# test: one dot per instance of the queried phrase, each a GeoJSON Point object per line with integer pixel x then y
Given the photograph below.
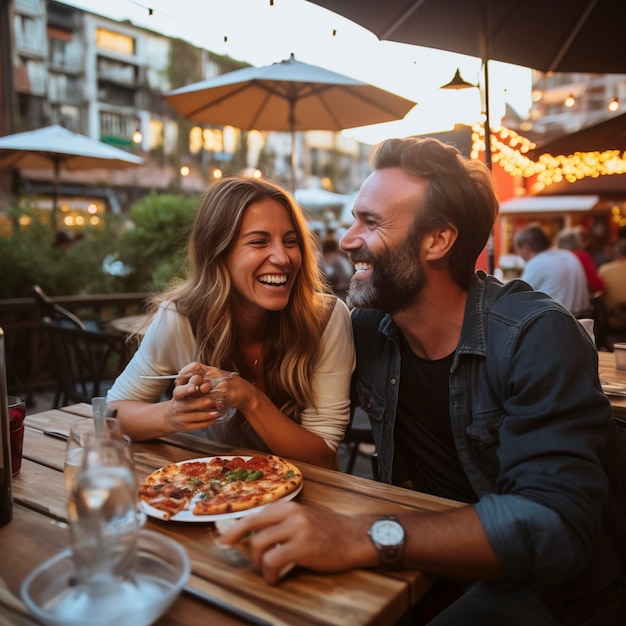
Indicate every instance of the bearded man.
{"type": "Point", "coordinates": [477, 391]}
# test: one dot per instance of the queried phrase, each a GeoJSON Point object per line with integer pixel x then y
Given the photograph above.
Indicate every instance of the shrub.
{"type": "Point", "coordinates": [154, 244]}
{"type": "Point", "coordinates": [150, 241]}
{"type": "Point", "coordinates": [28, 256]}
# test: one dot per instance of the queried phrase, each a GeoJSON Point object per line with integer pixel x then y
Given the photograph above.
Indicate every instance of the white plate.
{"type": "Point", "coordinates": [614, 389]}
{"type": "Point", "coordinates": [188, 516]}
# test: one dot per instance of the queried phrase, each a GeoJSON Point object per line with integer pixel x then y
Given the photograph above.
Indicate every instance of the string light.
{"type": "Point", "coordinates": [614, 105]}
{"type": "Point", "coordinates": [509, 151]}
{"type": "Point", "coordinates": [570, 101]}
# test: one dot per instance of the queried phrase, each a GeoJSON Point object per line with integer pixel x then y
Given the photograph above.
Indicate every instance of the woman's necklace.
{"type": "Point", "coordinates": [254, 365]}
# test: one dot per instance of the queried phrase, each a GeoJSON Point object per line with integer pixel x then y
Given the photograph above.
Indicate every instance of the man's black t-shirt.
{"type": "Point", "coordinates": [425, 456]}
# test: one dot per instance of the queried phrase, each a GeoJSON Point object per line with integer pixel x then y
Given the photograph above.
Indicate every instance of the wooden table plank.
{"type": "Point", "coordinates": [55, 419]}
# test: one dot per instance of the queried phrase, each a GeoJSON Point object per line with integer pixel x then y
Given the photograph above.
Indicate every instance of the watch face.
{"type": "Point", "coordinates": [388, 532]}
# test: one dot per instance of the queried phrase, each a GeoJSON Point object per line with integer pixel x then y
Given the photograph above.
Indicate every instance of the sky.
{"type": "Point", "coordinates": [261, 34]}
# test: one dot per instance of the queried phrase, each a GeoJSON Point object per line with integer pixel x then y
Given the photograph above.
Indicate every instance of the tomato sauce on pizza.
{"type": "Point", "coordinates": [219, 485]}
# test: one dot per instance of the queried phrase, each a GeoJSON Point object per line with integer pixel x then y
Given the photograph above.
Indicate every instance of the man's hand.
{"type": "Point", "coordinates": [288, 533]}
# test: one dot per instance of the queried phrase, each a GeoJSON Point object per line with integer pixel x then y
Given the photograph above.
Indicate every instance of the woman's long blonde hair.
{"type": "Point", "coordinates": [292, 339]}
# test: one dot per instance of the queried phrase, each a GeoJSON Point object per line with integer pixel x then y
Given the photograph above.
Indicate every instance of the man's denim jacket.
{"type": "Point", "coordinates": [532, 428]}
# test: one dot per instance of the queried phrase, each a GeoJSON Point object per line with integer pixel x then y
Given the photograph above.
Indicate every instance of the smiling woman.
{"type": "Point", "coordinates": [253, 302]}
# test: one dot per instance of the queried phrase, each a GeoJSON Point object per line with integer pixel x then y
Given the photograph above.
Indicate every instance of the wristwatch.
{"type": "Point", "coordinates": [387, 535]}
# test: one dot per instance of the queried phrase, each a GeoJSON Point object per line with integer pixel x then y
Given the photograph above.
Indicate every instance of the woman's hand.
{"type": "Point", "coordinates": [192, 406]}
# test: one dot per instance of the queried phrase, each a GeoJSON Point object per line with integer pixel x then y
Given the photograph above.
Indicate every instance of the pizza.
{"type": "Point", "coordinates": [219, 485]}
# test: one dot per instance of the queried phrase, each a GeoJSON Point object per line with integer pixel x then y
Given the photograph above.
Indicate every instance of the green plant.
{"type": "Point", "coordinates": [27, 256]}
{"type": "Point", "coordinates": [149, 243]}
{"type": "Point", "coordinates": [153, 245]}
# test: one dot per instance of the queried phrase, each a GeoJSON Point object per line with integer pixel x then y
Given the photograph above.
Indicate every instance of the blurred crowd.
{"type": "Point", "coordinates": [333, 260]}
{"type": "Point", "coordinates": [589, 280]}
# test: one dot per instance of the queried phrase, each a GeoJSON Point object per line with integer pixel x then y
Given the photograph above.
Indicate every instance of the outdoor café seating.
{"type": "Point", "coordinates": [360, 441]}
{"type": "Point", "coordinates": [47, 308]}
{"type": "Point", "coordinates": [86, 361]}
{"type": "Point", "coordinates": [610, 323]}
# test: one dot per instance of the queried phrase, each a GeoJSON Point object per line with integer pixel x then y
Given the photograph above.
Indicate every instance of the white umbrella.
{"type": "Point", "coordinates": [316, 198]}
{"type": "Point", "coordinates": [62, 149]}
{"type": "Point", "coordinates": [287, 96]}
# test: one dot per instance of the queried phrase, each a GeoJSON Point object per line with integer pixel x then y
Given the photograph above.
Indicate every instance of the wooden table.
{"type": "Point", "coordinates": [365, 596]}
{"type": "Point", "coordinates": [610, 373]}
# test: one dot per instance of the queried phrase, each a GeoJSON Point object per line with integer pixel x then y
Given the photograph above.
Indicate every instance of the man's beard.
{"type": "Point", "coordinates": [396, 278]}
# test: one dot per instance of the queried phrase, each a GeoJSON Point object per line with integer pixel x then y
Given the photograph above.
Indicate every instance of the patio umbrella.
{"type": "Point", "coordinates": [319, 199]}
{"type": "Point", "coordinates": [555, 36]}
{"type": "Point", "coordinates": [62, 149]}
{"type": "Point", "coordinates": [287, 96]}
{"type": "Point", "coordinates": [609, 134]}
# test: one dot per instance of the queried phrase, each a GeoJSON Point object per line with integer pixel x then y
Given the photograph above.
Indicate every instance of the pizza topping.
{"type": "Point", "coordinates": [220, 485]}
{"type": "Point", "coordinates": [243, 473]}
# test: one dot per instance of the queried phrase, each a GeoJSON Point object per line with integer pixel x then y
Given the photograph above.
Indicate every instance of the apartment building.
{"type": "Point", "coordinates": [106, 79]}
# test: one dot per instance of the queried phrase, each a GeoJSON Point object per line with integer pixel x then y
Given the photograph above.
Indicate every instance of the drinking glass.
{"type": "Point", "coordinates": [17, 414]}
{"type": "Point", "coordinates": [102, 511]}
{"type": "Point", "coordinates": [83, 434]}
{"type": "Point", "coordinates": [219, 396]}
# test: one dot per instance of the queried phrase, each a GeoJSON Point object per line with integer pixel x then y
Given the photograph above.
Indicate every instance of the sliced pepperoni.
{"type": "Point", "coordinates": [235, 463]}
{"type": "Point", "coordinates": [257, 463]}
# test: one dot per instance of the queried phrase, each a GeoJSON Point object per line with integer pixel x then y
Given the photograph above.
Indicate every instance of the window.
{"type": "Point", "coordinates": [114, 42]}
{"type": "Point", "coordinates": [117, 129]}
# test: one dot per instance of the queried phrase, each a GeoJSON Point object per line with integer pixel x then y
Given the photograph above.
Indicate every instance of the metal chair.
{"type": "Point", "coordinates": [47, 308]}
{"type": "Point", "coordinates": [359, 432]}
{"type": "Point", "coordinates": [610, 323]}
{"type": "Point", "coordinates": [87, 361]}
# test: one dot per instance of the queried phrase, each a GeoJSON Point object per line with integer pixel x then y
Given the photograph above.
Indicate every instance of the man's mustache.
{"type": "Point", "coordinates": [360, 258]}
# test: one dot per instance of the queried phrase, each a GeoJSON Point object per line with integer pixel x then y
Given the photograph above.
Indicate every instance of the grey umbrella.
{"type": "Point", "coordinates": [59, 148]}
{"type": "Point", "coordinates": [609, 134]}
{"type": "Point", "coordinates": [554, 36]}
{"type": "Point", "coordinates": [290, 96]}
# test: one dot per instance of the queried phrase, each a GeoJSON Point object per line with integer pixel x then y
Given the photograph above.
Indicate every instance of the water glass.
{"type": "Point", "coordinates": [219, 396]}
{"type": "Point", "coordinates": [83, 435]}
{"type": "Point", "coordinates": [102, 512]}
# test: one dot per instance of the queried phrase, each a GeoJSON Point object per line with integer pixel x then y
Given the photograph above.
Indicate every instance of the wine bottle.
{"type": "Point", "coordinates": [6, 496]}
